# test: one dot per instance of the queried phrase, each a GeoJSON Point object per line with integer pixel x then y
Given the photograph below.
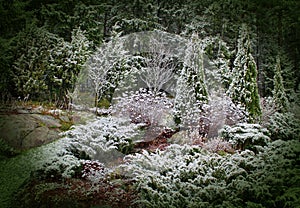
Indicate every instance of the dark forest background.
{"type": "Point", "coordinates": [44, 44]}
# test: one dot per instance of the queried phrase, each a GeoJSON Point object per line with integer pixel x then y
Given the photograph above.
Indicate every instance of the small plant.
{"type": "Point", "coordinates": [244, 136]}
{"type": "Point", "coordinates": [268, 108]}
{"type": "Point", "coordinates": [218, 145]}
{"type": "Point", "coordinates": [103, 103]}
{"type": "Point", "coordinates": [65, 126]}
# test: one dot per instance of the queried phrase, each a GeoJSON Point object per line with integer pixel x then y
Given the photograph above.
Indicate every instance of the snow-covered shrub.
{"type": "Point", "coordinates": [219, 112]}
{"type": "Point", "coordinates": [244, 136]}
{"type": "Point", "coordinates": [103, 138]}
{"type": "Point", "coordinates": [235, 113]}
{"type": "Point", "coordinates": [206, 119]}
{"type": "Point", "coordinates": [188, 136]}
{"type": "Point", "coordinates": [188, 176]}
{"type": "Point", "coordinates": [275, 175]}
{"type": "Point", "coordinates": [284, 126]}
{"type": "Point", "coordinates": [144, 107]}
{"type": "Point", "coordinates": [54, 160]}
{"type": "Point", "coordinates": [181, 176]}
{"type": "Point", "coordinates": [94, 171]}
{"type": "Point", "coordinates": [218, 145]}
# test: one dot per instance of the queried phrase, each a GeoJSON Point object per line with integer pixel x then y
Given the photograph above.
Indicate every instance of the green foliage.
{"type": "Point", "coordinates": [65, 126]}
{"type": "Point", "coordinates": [13, 173]}
{"type": "Point", "coordinates": [104, 103]}
{"type": "Point", "coordinates": [31, 61]}
{"type": "Point", "coordinates": [284, 126]}
{"type": "Point", "coordinates": [279, 93]}
{"type": "Point", "coordinates": [185, 176]}
{"type": "Point", "coordinates": [243, 88]}
{"type": "Point", "coordinates": [273, 31]}
{"type": "Point", "coordinates": [246, 136]}
{"type": "Point", "coordinates": [46, 66]}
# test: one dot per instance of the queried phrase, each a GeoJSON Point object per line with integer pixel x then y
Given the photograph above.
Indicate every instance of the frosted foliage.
{"type": "Point", "coordinates": [208, 119]}
{"type": "Point", "coordinates": [217, 145]}
{"type": "Point", "coordinates": [278, 92]}
{"type": "Point", "coordinates": [182, 176]}
{"type": "Point", "coordinates": [188, 176]}
{"type": "Point", "coordinates": [243, 87]}
{"type": "Point", "coordinates": [187, 108]}
{"type": "Point", "coordinates": [284, 126]}
{"type": "Point", "coordinates": [268, 108]}
{"type": "Point", "coordinates": [193, 67]}
{"type": "Point", "coordinates": [102, 137]}
{"type": "Point", "coordinates": [100, 74]}
{"type": "Point", "coordinates": [145, 107]}
{"type": "Point", "coordinates": [244, 135]}
{"type": "Point", "coordinates": [95, 172]}
{"type": "Point", "coordinates": [235, 113]}
{"type": "Point", "coordinates": [54, 159]}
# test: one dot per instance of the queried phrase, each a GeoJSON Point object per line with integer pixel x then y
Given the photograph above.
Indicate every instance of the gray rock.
{"type": "Point", "coordinates": [47, 120]}
{"type": "Point", "coordinates": [35, 138]}
{"type": "Point", "coordinates": [24, 131]}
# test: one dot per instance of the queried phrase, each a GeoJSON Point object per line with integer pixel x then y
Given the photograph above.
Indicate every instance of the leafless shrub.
{"type": "Point", "coordinates": [217, 145]}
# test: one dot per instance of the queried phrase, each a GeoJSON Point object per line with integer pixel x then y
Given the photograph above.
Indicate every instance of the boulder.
{"type": "Point", "coordinates": [24, 131]}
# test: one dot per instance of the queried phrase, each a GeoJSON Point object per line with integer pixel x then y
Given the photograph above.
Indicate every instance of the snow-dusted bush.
{"type": "Point", "coordinates": [218, 112]}
{"type": "Point", "coordinates": [218, 145]}
{"type": "Point", "coordinates": [144, 107]}
{"type": "Point", "coordinates": [188, 176]}
{"type": "Point", "coordinates": [54, 160]}
{"type": "Point", "coordinates": [235, 113]}
{"type": "Point", "coordinates": [284, 126]}
{"type": "Point", "coordinates": [103, 138]}
{"type": "Point", "coordinates": [244, 136]}
{"type": "Point", "coordinates": [94, 171]}
{"type": "Point", "coordinates": [182, 176]}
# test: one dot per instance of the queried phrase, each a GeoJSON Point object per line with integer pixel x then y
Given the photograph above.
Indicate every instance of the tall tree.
{"type": "Point", "coordinates": [243, 88]}
{"type": "Point", "coordinates": [279, 94]}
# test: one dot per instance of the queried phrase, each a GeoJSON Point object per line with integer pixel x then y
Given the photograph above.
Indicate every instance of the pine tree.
{"type": "Point", "coordinates": [243, 88]}
{"type": "Point", "coordinates": [279, 94]}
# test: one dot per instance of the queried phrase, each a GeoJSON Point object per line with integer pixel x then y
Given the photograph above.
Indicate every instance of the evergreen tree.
{"type": "Point", "coordinates": [194, 68]}
{"type": "Point", "coordinates": [243, 88]}
{"type": "Point", "coordinates": [31, 60]}
{"type": "Point", "coordinates": [279, 94]}
{"type": "Point", "coordinates": [191, 91]}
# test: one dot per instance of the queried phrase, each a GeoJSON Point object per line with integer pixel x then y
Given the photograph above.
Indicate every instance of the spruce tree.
{"type": "Point", "coordinates": [279, 94]}
{"type": "Point", "coordinates": [243, 88]}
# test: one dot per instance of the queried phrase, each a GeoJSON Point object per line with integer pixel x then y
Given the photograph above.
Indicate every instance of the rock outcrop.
{"type": "Point", "coordinates": [24, 130]}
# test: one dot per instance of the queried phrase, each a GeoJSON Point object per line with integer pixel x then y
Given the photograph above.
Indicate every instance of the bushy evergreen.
{"type": "Point", "coordinates": [279, 93]}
